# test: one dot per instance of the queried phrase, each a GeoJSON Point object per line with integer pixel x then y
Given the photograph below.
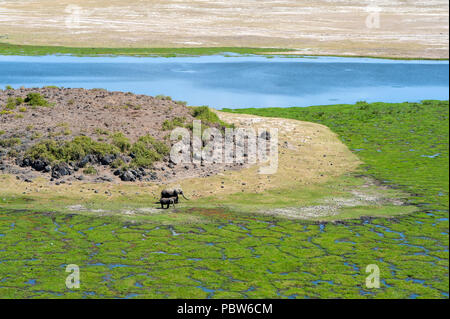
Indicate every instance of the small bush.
{"type": "Point", "coordinates": [147, 150]}
{"type": "Point", "coordinates": [121, 141]}
{"type": "Point", "coordinates": [2, 132]}
{"type": "Point", "coordinates": [22, 109]}
{"type": "Point", "coordinates": [171, 124]}
{"type": "Point", "coordinates": [35, 99]}
{"type": "Point", "coordinates": [10, 142]}
{"type": "Point", "coordinates": [73, 150]}
{"type": "Point", "coordinates": [90, 170]}
{"type": "Point", "coordinates": [10, 104]}
{"type": "Point", "coordinates": [100, 131]}
{"type": "Point", "coordinates": [13, 153]}
{"type": "Point", "coordinates": [163, 97]}
{"type": "Point", "coordinates": [35, 136]}
{"type": "Point", "coordinates": [204, 114]}
{"type": "Point", "coordinates": [9, 87]}
{"type": "Point", "coordinates": [117, 163]}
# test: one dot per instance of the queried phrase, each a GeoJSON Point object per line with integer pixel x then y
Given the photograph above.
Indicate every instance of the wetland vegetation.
{"type": "Point", "coordinates": [221, 253]}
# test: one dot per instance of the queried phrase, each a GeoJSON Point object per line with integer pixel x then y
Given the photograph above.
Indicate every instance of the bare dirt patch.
{"type": "Point", "coordinates": [407, 28]}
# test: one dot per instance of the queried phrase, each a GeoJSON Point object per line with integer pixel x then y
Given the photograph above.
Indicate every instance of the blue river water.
{"type": "Point", "coordinates": [239, 81]}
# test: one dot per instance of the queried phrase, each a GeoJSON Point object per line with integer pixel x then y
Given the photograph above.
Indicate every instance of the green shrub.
{"type": "Point", "coordinates": [90, 170]}
{"type": "Point", "coordinates": [121, 141]}
{"type": "Point", "coordinates": [100, 131]}
{"type": "Point", "coordinates": [35, 136]}
{"type": "Point", "coordinates": [36, 99]}
{"type": "Point", "coordinates": [22, 109]}
{"type": "Point", "coordinates": [13, 153]}
{"type": "Point", "coordinates": [10, 104]}
{"type": "Point", "coordinates": [204, 114]}
{"type": "Point", "coordinates": [163, 97]}
{"type": "Point", "coordinates": [147, 150]}
{"type": "Point", "coordinates": [9, 87]}
{"type": "Point", "coordinates": [10, 142]}
{"type": "Point", "coordinates": [2, 132]}
{"type": "Point", "coordinates": [171, 124]}
{"type": "Point", "coordinates": [73, 150]}
{"type": "Point", "coordinates": [117, 163]}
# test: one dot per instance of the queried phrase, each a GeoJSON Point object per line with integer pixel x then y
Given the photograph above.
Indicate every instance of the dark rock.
{"type": "Point", "coordinates": [127, 176]}
{"type": "Point", "coordinates": [107, 159]}
{"type": "Point", "coordinates": [39, 165]}
{"type": "Point", "coordinates": [86, 160]}
{"type": "Point", "coordinates": [25, 163]}
{"type": "Point", "coordinates": [61, 169]}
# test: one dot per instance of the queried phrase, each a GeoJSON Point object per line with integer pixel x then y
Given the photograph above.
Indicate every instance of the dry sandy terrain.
{"type": "Point", "coordinates": [406, 28]}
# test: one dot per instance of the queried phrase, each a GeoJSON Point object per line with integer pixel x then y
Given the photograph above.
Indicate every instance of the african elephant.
{"type": "Point", "coordinates": [167, 201]}
{"type": "Point", "coordinates": [173, 192]}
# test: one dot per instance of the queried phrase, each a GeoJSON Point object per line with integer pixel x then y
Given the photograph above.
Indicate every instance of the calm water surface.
{"type": "Point", "coordinates": [238, 82]}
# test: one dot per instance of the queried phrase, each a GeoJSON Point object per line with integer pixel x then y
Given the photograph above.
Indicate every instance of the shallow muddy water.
{"type": "Point", "coordinates": [237, 82]}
